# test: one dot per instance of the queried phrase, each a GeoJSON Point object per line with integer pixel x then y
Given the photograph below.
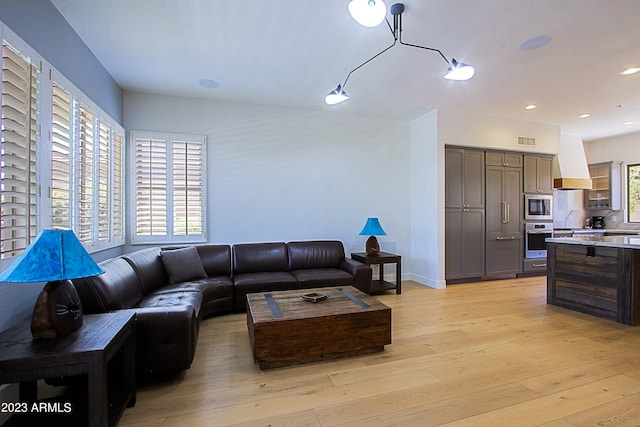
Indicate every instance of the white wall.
{"type": "Point", "coordinates": [427, 201]}
{"type": "Point", "coordinates": [278, 174]}
{"type": "Point", "coordinates": [622, 148]}
{"type": "Point", "coordinates": [476, 130]}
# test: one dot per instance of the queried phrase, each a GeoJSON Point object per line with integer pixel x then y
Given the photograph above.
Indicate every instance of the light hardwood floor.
{"type": "Point", "coordinates": [483, 354]}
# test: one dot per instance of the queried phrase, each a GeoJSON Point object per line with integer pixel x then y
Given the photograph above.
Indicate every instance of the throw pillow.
{"type": "Point", "coordinates": [183, 265]}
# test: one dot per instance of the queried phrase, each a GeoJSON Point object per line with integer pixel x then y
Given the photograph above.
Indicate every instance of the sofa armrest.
{"type": "Point", "coordinates": [362, 274]}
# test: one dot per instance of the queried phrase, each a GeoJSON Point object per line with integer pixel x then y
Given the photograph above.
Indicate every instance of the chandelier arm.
{"type": "Point", "coordinates": [426, 48]}
{"type": "Point", "coordinates": [398, 26]}
{"type": "Point", "coordinates": [368, 60]}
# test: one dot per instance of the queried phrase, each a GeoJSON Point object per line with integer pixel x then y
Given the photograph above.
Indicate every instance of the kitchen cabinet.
{"type": "Point", "coordinates": [464, 243]}
{"type": "Point", "coordinates": [504, 159]}
{"type": "Point", "coordinates": [464, 213]}
{"type": "Point", "coordinates": [606, 188]}
{"type": "Point", "coordinates": [503, 210]}
{"type": "Point", "coordinates": [595, 278]}
{"type": "Point", "coordinates": [464, 178]}
{"type": "Point", "coordinates": [538, 175]}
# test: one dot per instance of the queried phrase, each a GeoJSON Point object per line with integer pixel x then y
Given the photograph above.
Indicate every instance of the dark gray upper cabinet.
{"type": "Point", "coordinates": [538, 175]}
{"type": "Point", "coordinates": [464, 178]}
{"type": "Point", "coordinates": [504, 159]}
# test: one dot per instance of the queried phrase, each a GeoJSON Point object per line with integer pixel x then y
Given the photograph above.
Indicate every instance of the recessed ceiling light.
{"type": "Point", "coordinates": [209, 84]}
{"type": "Point", "coordinates": [584, 116]}
{"type": "Point", "coordinates": [535, 42]}
{"type": "Point", "coordinates": [531, 107]}
{"type": "Point", "coordinates": [629, 71]}
{"type": "Point", "coordinates": [630, 122]}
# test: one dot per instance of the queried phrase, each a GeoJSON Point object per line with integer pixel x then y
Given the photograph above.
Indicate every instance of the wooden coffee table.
{"type": "Point", "coordinates": [286, 330]}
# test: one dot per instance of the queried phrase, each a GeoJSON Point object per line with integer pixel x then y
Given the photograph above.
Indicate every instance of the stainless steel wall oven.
{"type": "Point", "coordinates": [535, 235]}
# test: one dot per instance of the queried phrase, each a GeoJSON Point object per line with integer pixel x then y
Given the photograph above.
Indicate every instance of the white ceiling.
{"type": "Point", "coordinates": [292, 53]}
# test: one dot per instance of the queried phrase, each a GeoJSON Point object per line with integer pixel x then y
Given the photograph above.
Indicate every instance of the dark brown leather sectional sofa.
{"type": "Point", "coordinates": [173, 289]}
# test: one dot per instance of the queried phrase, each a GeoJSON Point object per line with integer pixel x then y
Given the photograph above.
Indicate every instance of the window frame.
{"type": "Point", "coordinates": [170, 140]}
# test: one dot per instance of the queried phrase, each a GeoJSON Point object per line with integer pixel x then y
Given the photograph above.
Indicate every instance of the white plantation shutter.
{"type": "Point", "coordinates": [104, 182]}
{"type": "Point", "coordinates": [187, 187]}
{"type": "Point", "coordinates": [117, 205]}
{"type": "Point", "coordinates": [17, 153]}
{"type": "Point", "coordinates": [151, 186]}
{"type": "Point", "coordinates": [79, 163]}
{"type": "Point", "coordinates": [86, 149]}
{"type": "Point", "coordinates": [61, 169]}
{"type": "Point", "coordinates": [170, 177]}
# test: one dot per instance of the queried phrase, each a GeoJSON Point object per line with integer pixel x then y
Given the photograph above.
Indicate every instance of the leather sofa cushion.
{"type": "Point", "coordinates": [149, 268]}
{"type": "Point", "coordinates": [216, 259]}
{"type": "Point", "coordinates": [117, 288]}
{"type": "Point", "coordinates": [322, 277]}
{"type": "Point", "coordinates": [315, 254]}
{"type": "Point", "coordinates": [248, 283]}
{"type": "Point", "coordinates": [260, 257]}
{"type": "Point", "coordinates": [173, 298]}
{"type": "Point", "coordinates": [182, 264]}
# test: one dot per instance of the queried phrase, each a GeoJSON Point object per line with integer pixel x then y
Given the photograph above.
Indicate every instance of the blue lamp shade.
{"type": "Point", "coordinates": [372, 228]}
{"type": "Point", "coordinates": [55, 257]}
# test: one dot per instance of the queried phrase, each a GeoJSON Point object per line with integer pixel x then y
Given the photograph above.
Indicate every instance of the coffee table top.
{"type": "Point", "coordinates": [287, 305]}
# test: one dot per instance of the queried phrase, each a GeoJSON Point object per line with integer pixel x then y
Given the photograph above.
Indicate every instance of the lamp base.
{"type": "Point", "coordinates": [372, 247]}
{"type": "Point", "coordinates": [57, 312]}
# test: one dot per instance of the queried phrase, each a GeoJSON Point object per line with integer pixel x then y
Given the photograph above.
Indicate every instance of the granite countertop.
{"type": "Point", "coordinates": [632, 242]}
{"type": "Point", "coordinates": [606, 230]}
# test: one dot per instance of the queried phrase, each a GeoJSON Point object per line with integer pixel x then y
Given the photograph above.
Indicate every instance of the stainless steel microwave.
{"type": "Point", "coordinates": [538, 207]}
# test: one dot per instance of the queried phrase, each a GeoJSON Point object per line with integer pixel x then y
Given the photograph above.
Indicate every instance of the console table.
{"type": "Point", "coordinates": [381, 259]}
{"type": "Point", "coordinates": [103, 350]}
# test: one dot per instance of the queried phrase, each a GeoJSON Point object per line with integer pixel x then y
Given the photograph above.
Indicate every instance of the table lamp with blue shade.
{"type": "Point", "coordinates": [372, 228]}
{"type": "Point", "coordinates": [55, 257]}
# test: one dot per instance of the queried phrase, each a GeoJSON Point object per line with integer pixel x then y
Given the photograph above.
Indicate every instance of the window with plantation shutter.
{"type": "Point", "coordinates": [87, 167]}
{"type": "Point", "coordinates": [52, 131]}
{"type": "Point", "coordinates": [17, 153]}
{"type": "Point", "coordinates": [170, 177]}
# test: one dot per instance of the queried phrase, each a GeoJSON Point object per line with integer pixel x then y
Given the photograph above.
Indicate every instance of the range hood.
{"type": "Point", "coordinates": [571, 171]}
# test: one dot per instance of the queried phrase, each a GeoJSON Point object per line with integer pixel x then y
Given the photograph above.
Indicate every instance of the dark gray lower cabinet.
{"type": "Point", "coordinates": [464, 246]}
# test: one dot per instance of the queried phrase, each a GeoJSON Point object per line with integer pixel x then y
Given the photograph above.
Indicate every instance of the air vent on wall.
{"type": "Point", "coordinates": [523, 140]}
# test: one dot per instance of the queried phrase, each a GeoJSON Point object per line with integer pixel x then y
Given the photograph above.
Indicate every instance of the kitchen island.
{"type": "Point", "coordinates": [597, 275]}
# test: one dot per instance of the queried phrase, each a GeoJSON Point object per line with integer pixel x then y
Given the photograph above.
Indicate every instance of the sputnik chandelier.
{"type": "Point", "coordinates": [371, 13]}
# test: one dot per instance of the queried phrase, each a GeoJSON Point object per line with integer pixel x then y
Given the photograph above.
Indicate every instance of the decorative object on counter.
{"type": "Point", "coordinates": [597, 221]}
{"type": "Point", "coordinates": [56, 257]}
{"type": "Point", "coordinates": [372, 228]}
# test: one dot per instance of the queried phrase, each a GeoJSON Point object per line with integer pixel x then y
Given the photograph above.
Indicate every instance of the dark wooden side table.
{"type": "Point", "coordinates": [381, 259]}
{"type": "Point", "coordinates": [103, 349]}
